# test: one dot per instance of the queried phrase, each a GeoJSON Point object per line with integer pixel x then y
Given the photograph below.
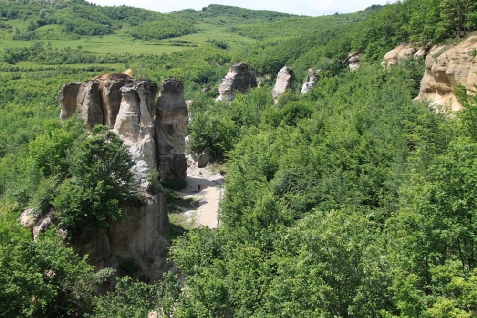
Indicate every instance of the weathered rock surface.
{"type": "Point", "coordinates": [68, 97]}
{"type": "Point", "coordinates": [89, 100]}
{"type": "Point", "coordinates": [310, 82]}
{"type": "Point", "coordinates": [28, 218]}
{"type": "Point", "coordinates": [447, 67]}
{"type": "Point", "coordinates": [155, 135]}
{"type": "Point", "coordinates": [134, 124]}
{"type": "Point", "coordinates": [240, 78]}
{"type": "Point", "coordinates": [285, 80]}
{"type": "Point", "coordinates": [97, 101]}
{"type": "Point", "coordinates": [171, 125]}
{"type": "Point", "coordinates": [204, 158]}
{"type": "Point", "coordinates": [403, 51]}
{"type": "Point", "coordinates": [353, 60]}
{"type": "Point", "coordinates": [42, 225]}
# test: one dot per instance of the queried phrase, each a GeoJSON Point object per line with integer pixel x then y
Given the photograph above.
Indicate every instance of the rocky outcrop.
{"type": "Point", "coordinates": [155, 135]}
{"type": "Point", "coordinates": [285, 80]}
{"type": "Point", "coordinates": [134, 124]}
{"type": "Point", "coordinates": [402, 52]}
{"type": "Point", "coordinates": [310, 82]}
{"type": "Point", "coordinates": [97, 101]}
{"type": "Point", "coordinates": [353, 60]}
{"type": "Point", "coordinates": [447, 67]}
{"type": "Point", "coordinates": [171, 125]}
{"type": "Point", "coordinates": [240, 78]}
{"type": "Point", "coordinates": [28, 218]}
{"type": "Point", "coordinates": [68, 98]}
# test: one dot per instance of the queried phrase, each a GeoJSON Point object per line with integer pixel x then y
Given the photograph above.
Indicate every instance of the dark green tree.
{"type": "Point", "coordinates": [101, 181]}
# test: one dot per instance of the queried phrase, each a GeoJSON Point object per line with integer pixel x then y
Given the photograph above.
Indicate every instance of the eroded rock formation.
{"type": "Point", "coordinates": [353, 60]}
{"type": "Point", "coordinates": [285, 80]}
{"type": "Point", "coordinates": [240, 78]}
{"type": "Point", "coordinates": [310, 82]}
{"type": "Point", "coordinates": [155, 135]}
{"type": "Point", "coordinates": [171, 124]}
{"type": "Point", "coordinates": [447, 67]}
{"type": "Point", "coordinates": [403, 51]}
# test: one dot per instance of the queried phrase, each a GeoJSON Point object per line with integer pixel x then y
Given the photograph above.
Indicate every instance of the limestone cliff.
{"type": "Point", "coordinates": [446, 67]}
{"type": "Point", "coordinates": [240, 78]}
{"type": "Point", "coordinates": [285, 80]}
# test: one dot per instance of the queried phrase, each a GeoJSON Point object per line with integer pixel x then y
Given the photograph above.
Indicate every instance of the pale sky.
{"type": "Point", "coordinates": [302, 7]}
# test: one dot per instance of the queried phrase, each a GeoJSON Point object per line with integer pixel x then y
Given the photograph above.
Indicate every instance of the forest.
{"type": "Point", "coordinates": [352, 200]}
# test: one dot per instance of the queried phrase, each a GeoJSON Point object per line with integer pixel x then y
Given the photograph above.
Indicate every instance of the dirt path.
{"type": "Point", "coordinates": [206, 187]}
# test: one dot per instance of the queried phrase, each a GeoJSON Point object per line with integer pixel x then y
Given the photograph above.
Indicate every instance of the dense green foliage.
{"type": "Point", "coordinates": [348, 201]}
{"type": "Point", "coordinates": [46, 279]}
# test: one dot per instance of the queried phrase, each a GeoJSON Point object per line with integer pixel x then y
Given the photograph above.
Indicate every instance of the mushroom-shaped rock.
{"type": "Point", "coordinates": [171, 125]}
{"type": "Point", "coordinates": [240, 78]}
{"type": "Point", "coordinates": [446, 68]}
{"type": "Point", "coordinates": [285, 80]}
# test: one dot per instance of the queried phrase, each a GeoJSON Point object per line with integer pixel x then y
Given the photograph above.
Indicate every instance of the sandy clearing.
{"type": "Point", "coordinates": [208, 195]}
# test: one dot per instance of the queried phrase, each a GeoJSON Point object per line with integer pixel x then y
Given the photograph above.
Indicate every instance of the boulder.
{"type": "Point", "coordinates": [240, 78]}
{"type": "Point", "coordinates": [204, 159]}
{"type": "Point", "coordinates": [447, 67]}
{"type": "Point", "coordinates": [285, 80]}
{"type": "Point", "coordinates": [171, 124]}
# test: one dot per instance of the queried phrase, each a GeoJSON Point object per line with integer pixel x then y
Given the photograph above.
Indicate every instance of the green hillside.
{"type": "Point", "coordinates": [349, 201]}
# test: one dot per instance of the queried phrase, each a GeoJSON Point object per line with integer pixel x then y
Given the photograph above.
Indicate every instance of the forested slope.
{"type": "Point", "coordinates": [349, 201]}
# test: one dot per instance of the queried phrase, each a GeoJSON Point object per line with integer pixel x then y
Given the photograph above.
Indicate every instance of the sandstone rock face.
{"type": "Point", "coordinates": [403, 51]}
{"type": "Point", "coordinates": [353, 60]}
{"type": "Point", "coordinates": [134, 232]}
{"type": "Point", "coordinates": [240, 78]}
{"type": "Point", "coordinates": [171, 125]}
{"type": "Point", "coordinates": [310, 82]}
{"type": "Point", "coordinates": [155, 135]}
{"type": "Point", "coordinates": [90, 103]}
{"type": "Point", "coordinates": [447, 67]}
{"type": "Point", "coordinates": [68, 98]}
{"type": "Point", "coordinates": [97, 100]}
{"type": "Point", "coordinates": [134, 124]}
{"type": "Point", "coordinates": [285, 80]}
